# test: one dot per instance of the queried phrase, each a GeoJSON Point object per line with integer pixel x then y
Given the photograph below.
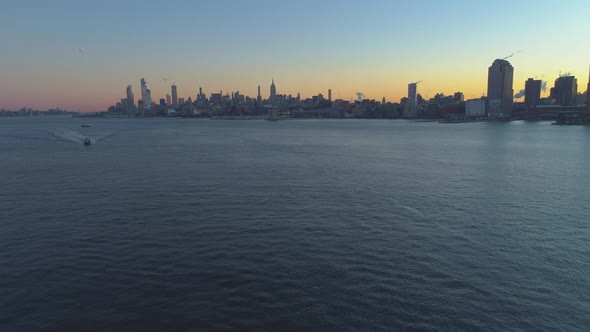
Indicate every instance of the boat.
{"type": "Point", "coordinates": [85, 125]}
{"type": "Point", "coordinates": [87, 141]}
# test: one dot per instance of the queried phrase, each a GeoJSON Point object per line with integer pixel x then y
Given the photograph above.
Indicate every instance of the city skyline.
{"type": "Point", "coordinates": [376, 51]}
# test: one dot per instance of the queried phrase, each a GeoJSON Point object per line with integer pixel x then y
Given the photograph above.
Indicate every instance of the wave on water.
{"type": "Point", "coordinates": [35, 138]}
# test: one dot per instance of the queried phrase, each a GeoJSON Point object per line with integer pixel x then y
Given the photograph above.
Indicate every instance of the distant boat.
{"type": "Point", "coordinates": [85, 125]}
{"type": "Point", "coordinates": [87, 141]}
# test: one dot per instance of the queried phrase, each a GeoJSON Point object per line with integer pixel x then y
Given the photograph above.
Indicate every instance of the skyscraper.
{"type": "Point", "coordinates": [201, 98]}
{"type": "Point", "coordinates": [259, 98]}
{"type": "Point", "coordinates": [146, 96]}
{"type": "Point", "coordinates": [565, 90]}
{"type": "Point", "coordinates": [174, 96]}
{"type": "Point", "coordinates": [168, 100]}
{"type": "Point", "coordinates": [588, 91]}
{"type": "Point", "coordinates": [412, 92]}
{"type": "Point", "coordinates": [130, 97]}
{"type": "Point", "coordinates": [532, 92]}
{"type": "Point", "coordinates": [500, 88]}
{"type": "Point", "coordinates": [330, 95]}
{"type": "Point", "coordinates": [273, 91]}
{"type": "Point", "coordinates": [148, 100]}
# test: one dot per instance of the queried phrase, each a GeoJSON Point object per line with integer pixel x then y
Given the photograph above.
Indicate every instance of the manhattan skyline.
{"type": "Point", "coordinates": [81, 56]}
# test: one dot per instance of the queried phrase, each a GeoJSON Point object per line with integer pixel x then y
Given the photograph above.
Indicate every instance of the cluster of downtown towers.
{"type": "Point", "coordinates": [498, 103]}
{"type": "Point", "coordinates": [172, 100]}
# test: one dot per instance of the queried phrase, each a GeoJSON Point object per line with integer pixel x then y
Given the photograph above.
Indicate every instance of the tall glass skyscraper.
{"type": "Point", "coordinates": [146, 95]}
{"type": "Point", "coordinates": [174, 96]}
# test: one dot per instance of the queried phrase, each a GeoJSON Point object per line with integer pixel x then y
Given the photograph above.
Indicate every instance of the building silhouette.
{"type": "Point", "coordinates": [588, 91]}
{"type": "Point", "coordinates": [412, 92]}
{"type": "Point", "coordinates": [130, 98]}
{"type": "Point", "coordinates": [500, 89]}
{"type": "Point", "coordinates": [565, 90]}
{"type": "Point", "coordinates": [259, 97]}
{"type": "Point", "coordinates": [458, 96]}
{"type": "Point", "coordinates": [174, 96]}
{"type": "Point", "coordinates": [330, 95]}
{"type": "Point", "coordinates": [273, 91]}
{"type": "Point", "coordinates": [532, 92]}
{"type": "Point", "coordinates": [148, 101]}
{"type": "Point", "coordinates": [146, 94]}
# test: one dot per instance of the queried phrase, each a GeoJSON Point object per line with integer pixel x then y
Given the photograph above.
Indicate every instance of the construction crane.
{"type": "Point", "coordinates": [511, 55]}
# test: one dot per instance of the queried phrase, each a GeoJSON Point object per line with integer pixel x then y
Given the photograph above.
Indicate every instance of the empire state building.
{"type": "Point", "coordinates": [273, 91]}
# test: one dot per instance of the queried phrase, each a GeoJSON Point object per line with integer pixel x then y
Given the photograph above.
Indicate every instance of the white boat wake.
{"type": "Point", "coordinates": [413, 211]}
{"type": "Point", "coordinates": [78, 138]}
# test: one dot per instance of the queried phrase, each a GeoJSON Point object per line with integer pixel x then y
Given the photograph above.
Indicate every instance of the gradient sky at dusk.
{"type": "Point", "coordinates": [308, 46]}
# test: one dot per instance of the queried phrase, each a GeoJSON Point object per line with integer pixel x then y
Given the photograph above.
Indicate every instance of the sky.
{"type": "Point", "coordinates": [81, 55]}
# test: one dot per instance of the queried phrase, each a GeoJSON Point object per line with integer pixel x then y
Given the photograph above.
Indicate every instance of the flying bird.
{"type": "Point", "coordinates": [163, 79]}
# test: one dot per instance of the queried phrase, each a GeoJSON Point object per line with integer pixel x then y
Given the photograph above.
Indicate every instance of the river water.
{"type": "Point", "coordinates": [168, 224]}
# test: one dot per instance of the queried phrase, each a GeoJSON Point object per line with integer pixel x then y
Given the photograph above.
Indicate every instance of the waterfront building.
{"type": "Point", "coordinates": [495, 108]}
{"type": "Point", "coordinates": [565, 90]}
{"type": "Point", "coordinates": [259, 97]}
{"type": "Point", "coordinates": [532, 92]}
{"type": "Point", "coordinates": [588, 91]}
{"type": "Point", "coordinates": [475, 107]}
{"type": "Point", "coordinates": [168, 100]}
{"type": "Point", "coordinates": [411, 109]}
{"type": "Point", "coordinates": [500, 88]}
{"type": "Point", "coordinates": [442, 99]}
{"type": "Point", "coordinates": [330, 95]}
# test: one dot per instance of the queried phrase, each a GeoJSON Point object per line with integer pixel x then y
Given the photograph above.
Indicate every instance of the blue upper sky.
{"type": "Point", "coordinates": [82, 54]}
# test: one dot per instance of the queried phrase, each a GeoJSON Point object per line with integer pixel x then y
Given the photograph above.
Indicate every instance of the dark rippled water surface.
{"type": "Point", "coordinates": [293, 225]}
